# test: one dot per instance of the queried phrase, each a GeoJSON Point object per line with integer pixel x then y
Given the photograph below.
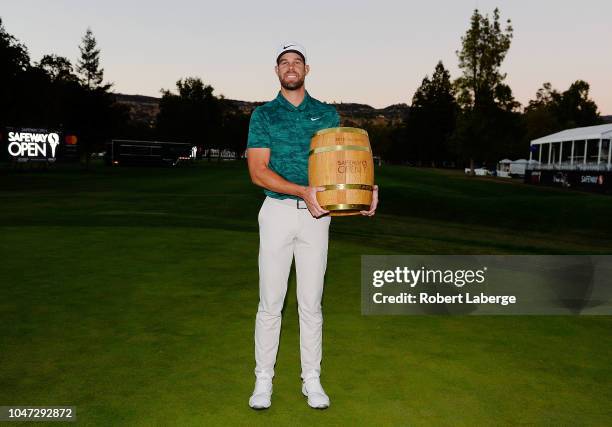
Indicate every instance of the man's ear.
{"type": "Point", "coordinates": [307, 69]}
{"type": "Point", "coordinates": [276, 69]}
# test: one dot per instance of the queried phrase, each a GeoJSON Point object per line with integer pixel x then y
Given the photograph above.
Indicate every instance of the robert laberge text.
{"type": "Point", "coordinates": [437, 298]}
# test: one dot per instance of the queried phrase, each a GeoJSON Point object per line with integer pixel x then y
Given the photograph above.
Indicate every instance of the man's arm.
{"type": "Point", "coordinates": [263, 176]}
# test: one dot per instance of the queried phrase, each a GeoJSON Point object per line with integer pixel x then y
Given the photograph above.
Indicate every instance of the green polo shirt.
{"type": "Point", "coordinates": [286, 130]}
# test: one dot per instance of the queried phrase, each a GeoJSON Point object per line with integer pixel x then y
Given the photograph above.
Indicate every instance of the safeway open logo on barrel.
{"type": "Point", "coordinates": [352, 166]}
{"type": "Point", "coordinates": [33, 145]}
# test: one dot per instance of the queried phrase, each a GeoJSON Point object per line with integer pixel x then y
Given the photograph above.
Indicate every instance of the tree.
{"type": "Point", "coordinates": [14, 61]}
{"type": "Point", "coordinates": [575, 108]}
{"type": "Point", "coordinates": [235, 127]}
{"type": "Point", "coordinates": [14, 55]}
{"type": "Point", "coordinates": [432, 118]}
{"type": "Point", "coordinates": [58, 68]}
{"type": "Point", "coordinates": [193, 115]}
{"type": "Point", "coordinates": [388, 141]}
{"type": "Point", "coordinates": [484, 48]}
{"type": "Point", "coordinates": [489, 125]}
{"type": "Point", "coordinates": [98, 106]}
{"type": "Point", "coordinates": [88, 64]}
{"type": "Point", "coordinates": [540, 115]}
{"type": "Point", "coordinates": [552, 111]}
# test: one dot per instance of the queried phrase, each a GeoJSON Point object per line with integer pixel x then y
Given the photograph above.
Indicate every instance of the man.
{"type": "Point", "coordinates": [291, 222]}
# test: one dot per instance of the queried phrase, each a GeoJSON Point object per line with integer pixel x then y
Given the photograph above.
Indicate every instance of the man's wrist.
{"type": "Point", "coordinates": [301, 192]}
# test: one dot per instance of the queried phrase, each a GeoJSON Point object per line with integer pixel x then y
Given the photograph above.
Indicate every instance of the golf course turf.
{"type": "Point", "coordinates": [130, 293]}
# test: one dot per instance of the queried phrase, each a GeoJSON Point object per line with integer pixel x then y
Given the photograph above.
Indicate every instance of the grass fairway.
{"type": "Point", "coordinates": [131, 294]}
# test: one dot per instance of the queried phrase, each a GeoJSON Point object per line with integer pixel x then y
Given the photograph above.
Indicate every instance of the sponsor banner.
{"type": "Point", "coordinates": [486, 284]}
{"type": "Point", "coordinates": [584, 180]}
{"type": "Point", "coordinates": [31, 145]}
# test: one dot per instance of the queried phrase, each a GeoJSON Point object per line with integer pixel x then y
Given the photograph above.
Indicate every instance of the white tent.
{"type": "Point", "coordinates": [577, 134]}
{"type": "Point", "coordinates": [578, 148]}
{"type": "Point", "coordinates": [507, 168]}
{"type": "Point", "coordinates": [503, 168]}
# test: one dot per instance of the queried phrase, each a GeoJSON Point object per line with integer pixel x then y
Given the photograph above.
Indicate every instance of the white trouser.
{"type": "Point", "coordinates": [285, 231]}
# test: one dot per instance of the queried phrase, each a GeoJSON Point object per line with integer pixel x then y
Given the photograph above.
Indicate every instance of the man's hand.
{"type": "Point", "coordinates": [309, 195]}
{"type": "Point", "coordinates": [374, 204]}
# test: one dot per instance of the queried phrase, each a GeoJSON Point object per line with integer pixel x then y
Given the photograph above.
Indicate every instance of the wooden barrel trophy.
{"type": "Point", "coordinates": [340, 160]}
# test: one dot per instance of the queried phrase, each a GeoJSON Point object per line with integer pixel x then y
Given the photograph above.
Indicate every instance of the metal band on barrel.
{"type": "Point", "coordinates": [342, 130]}
{"type": "Point", "coordinates": [346, 207]}
{"type": "Point", "coordinates": [338, 148]}
{"type": "Point", "coordinates": [347, 187]}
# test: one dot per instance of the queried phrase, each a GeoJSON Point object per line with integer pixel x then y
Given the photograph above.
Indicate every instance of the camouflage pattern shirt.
{"type": "Point", "coordinates": [286, 130]}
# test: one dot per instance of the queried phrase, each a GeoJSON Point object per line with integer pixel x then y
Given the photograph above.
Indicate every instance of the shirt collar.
{"type": "Point", "coordinates": [289, 106]}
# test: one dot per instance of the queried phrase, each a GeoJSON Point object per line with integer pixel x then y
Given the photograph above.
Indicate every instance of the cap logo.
{"type": "Point", "coordinates": [289, 45]}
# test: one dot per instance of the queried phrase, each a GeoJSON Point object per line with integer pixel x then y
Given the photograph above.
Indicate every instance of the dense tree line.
{"type": "Point", "coordinates": [194, 114]}
{"type": "Point", "coordinates": [52, 94]}
{"type": "Point", "coordinates": [473, 119]}
{"type": "Point", "coordinates": [56, 95]}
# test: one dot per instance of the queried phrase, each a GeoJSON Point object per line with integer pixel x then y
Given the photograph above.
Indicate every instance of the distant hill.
{"type": "Point", "coordinates": [144, 109]}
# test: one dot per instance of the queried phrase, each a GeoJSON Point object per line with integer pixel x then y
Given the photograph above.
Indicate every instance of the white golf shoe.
{"type": "Point", "coordinates": [262, 395]}
{"type": "Point", "coordinates": [313, 390]}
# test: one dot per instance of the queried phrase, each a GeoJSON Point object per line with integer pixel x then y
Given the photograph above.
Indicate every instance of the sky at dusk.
{"type": "Point", "coordinates": [372, 52]}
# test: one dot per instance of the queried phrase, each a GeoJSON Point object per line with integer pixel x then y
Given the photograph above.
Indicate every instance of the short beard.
{"type": "Point", "coordinates": [293, 85]}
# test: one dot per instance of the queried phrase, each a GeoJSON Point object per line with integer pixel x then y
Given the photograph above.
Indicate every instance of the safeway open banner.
{"type": "Point", "coordinates": [32, 145]}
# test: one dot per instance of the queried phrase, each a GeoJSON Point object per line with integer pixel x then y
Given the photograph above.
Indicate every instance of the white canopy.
{"type": "Point", "coordinates": [577, 134]}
